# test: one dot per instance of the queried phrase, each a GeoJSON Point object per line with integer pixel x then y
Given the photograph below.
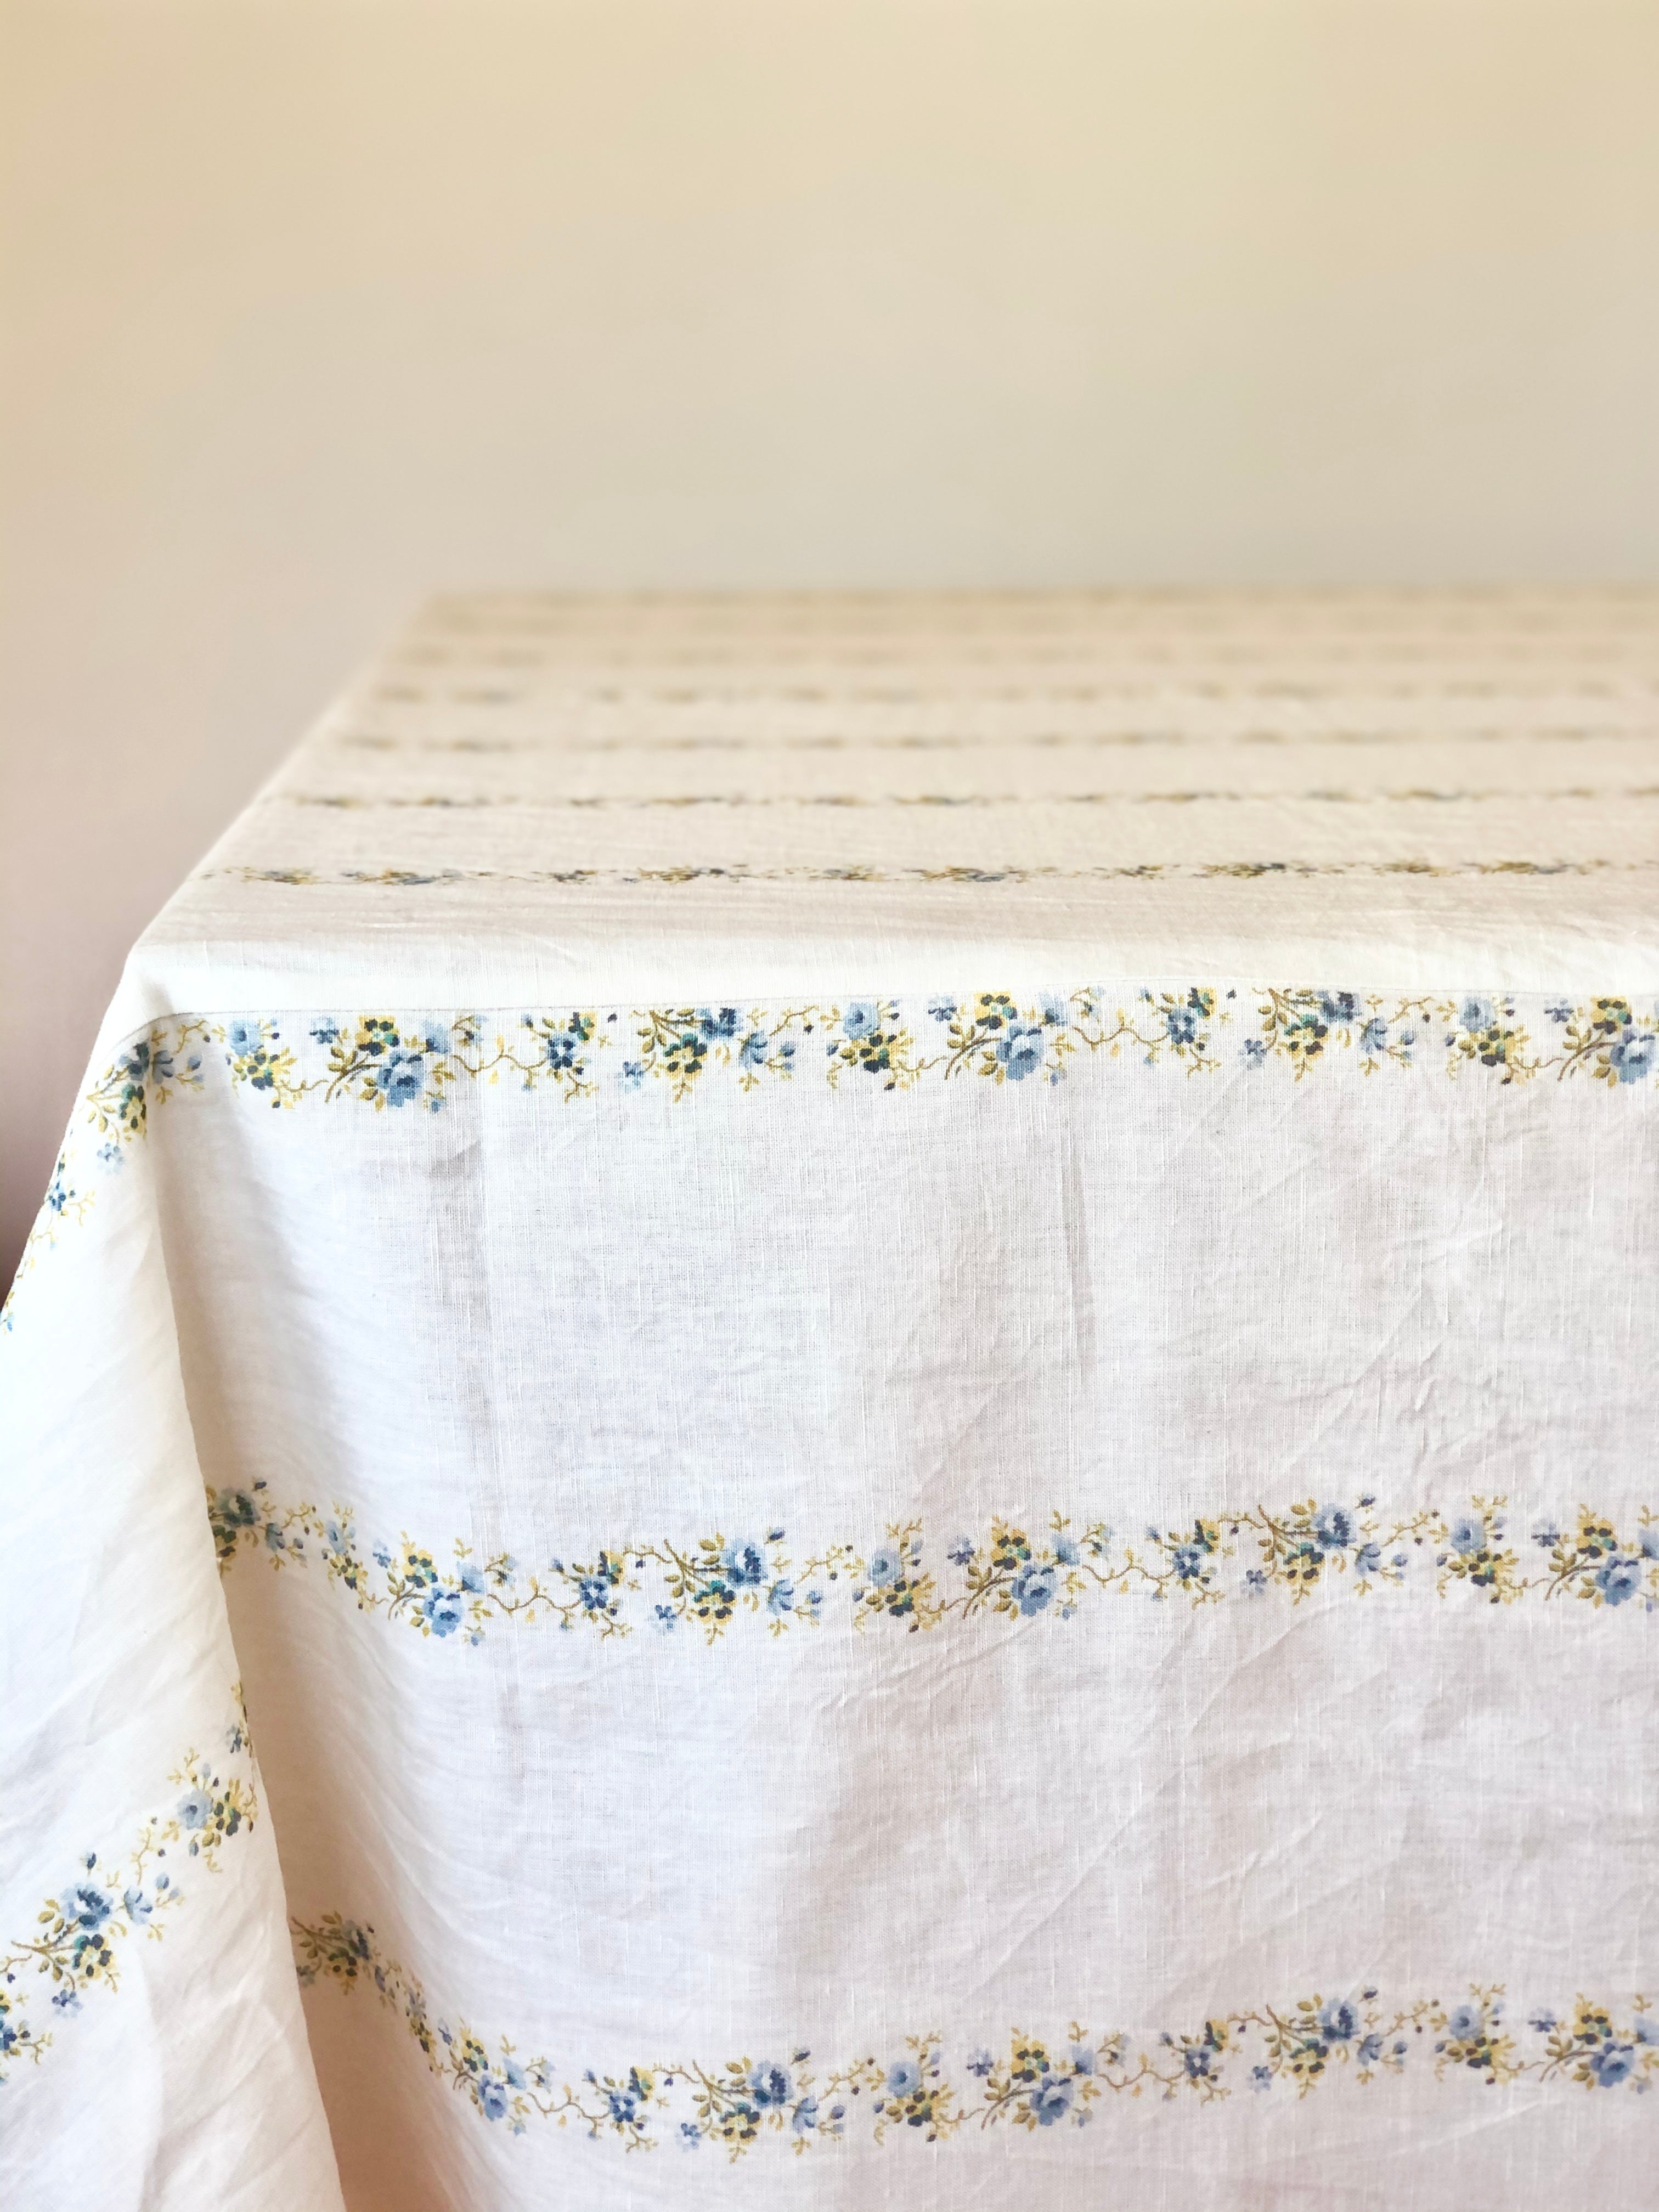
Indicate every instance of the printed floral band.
{"type": "Point", "coordinates": [707, 1582]}
{"type": "Point", "coordinates": [390, 1061]}
{"type": "Point", "coordinates": [78, 1931]}
{"type": "Point", "coordinates": [1034, 2083]}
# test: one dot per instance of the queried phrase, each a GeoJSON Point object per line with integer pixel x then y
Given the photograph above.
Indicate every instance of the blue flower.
{"type": "Point", "coordinates": [1051, 2101]}
{"type": "Point", "coordinates": [1560, 1013]}
{"type": "Point", "coordinates": [195, 1810]}
{"type": "Point", "coordinates": [1056, 1014]}
{"type": "Point", "coordinates": [1612, 2064]}
{"type": "Point", "coordinates": [862, 1019]}
{"type": "Point", "coordinates": [1180, 1025]}
{"type": "Point", "coordinates": [84, 1905]}
{"type": "Point", "coordinates": [594, 1591]}
{"type": "Point", "coordinates": [623, 2105]}
{"type": "Point", "coordinates": [980, 2063]}
{"type": "Point", "coordinates": [1338, 1008]}
{"type": "Point", "coordinates": [1374, 1037]}
{"type": "Point", "coordinates": [1368, 1559]}
{"type": "Point", "coordinates": [443, 1611]}
{"type": "Point", "coordinates": [770, 2083]}
{"type": "Point", "coordinates": [1195, 2059]}
{"type": "Point", "coordinates": [903, 2078]}
{"type": "Point", "coordinates": [137, 1907]}
{"type": "Point", "coordinates": [326, 1032]}
{"type": "Point", "coordinates": [1633, 1058]}
{"type": "Point", "coordinates": [1083, 2059]}
{"type": "Point", "coordinates": [1647, 2029]}
{"type": "Point", "coordinates": [244, 1037]}
{"type": "Point", "coordinates": [886, 1566]}
{"type": "Point", "coordinates": [399, 1078]}
{"type": "Point", "coordinates": [1544, 2021]}
{"type": "Point", "coordinates": [1255, 1052]}
{"type": "Point", "coordinates": [1370, 2050]}
{"type": "Point", "coordinates": [67, 2000]}
{"type": "Point", "coordinates": [781, 1598]}
{"type": "Point", "coordinates": [1476, 1014]}
{"type": "Point", "coordinates": [1617, 1580]}
{"type": "Point", "coordinates": [492, 2098]}
{"type": "Point", "coordinates": [1261, 2077]}
{"type": "Point", "coordinates": [1066, 1552]}
{"type": "Point", "coordinates": [632, 1075]}
{"type": "Point", "coordinates": [745, 1564]}
{"type": "Point", "coordinates": [960, 1551]}
{"type": "Point", "coordinates": [1019, 1050]}
{"type": "Point", "coordinates": [1188, 1560]}
{"type": "Point", "coordinates": [561, 1048]}
{"type": "Point", "coordinates": [753, 1050]}
{"type": "Point", "coordinates": [722, 1024]}
{"type": "Point", "coordinates": [690, 2136]}
{"type": "Point", "coordinates": [804, 2118]}
{"type": "Point", "coordinates": [1465, 2024]}
{"type": "Point", "coordinates": [1468, 1533]}
{"type": "Point", "coordinates": [1333, 1527]}
{"type": "Point", "coordinates": [1338, 2022]}
{"type": "Point", "coordinates": [1033, 1587]}
{"type": "Point", "coordinates": [943, 1010]}
{"type": "Point", "coordinates": [1647, 1540]}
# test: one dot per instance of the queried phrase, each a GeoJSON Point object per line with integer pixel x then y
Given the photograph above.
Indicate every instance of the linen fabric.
{"type": "Point", "coordinates": [899, 1351]}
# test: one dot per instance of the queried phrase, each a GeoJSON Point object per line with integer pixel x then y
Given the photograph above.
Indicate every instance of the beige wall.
{"type": "Point", "coordinates": [309, 307]}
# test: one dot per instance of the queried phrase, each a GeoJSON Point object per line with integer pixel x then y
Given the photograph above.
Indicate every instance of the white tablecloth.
{"type": "Point", "coordinates": [900, 1354]}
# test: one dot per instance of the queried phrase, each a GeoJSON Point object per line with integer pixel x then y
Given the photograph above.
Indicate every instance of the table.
{"type": "Point", "coordinates": [899, 1350]}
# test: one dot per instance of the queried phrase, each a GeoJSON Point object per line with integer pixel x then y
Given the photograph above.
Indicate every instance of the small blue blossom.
{"type": "Point", "coordinates": [980, 2063]}
{"type": "Point", "coordinates": [443, 1611]}
{"type": "Point", "coordinates": [326, 1032]}
{"type": "Point", "coordinates": [1374, 1037]}
{"type": "Point", "coordinates": [770, 2083]}
{"type": "Point", "coordinates": [1476, 1014]}
{"type": "Point", "coordinates": [1468, 1533]}
{"type": "Point", "coordinates": [400, 1077]}
{"type": "Point", "coordinates": [1617, 1580]}
{"type": "Point", "coordinates": [1019, 1050]}
{"type": "Point", "coordinates": [1254, 1053]}
{"type": "Point", "coordinates": [861, 1019]}
{"type": "Point", "coordinates": [1612, 2064]}
{"type": "Point", "coordinates": [690, 2136]}
{"type": "Point", "coordinates": [594, 1591]}
{"type": "Point", "coordinates": [804, 2118]}
{"type": "Point", "coordinates": [137, 1907]}
{"type": "Point", "coordinates": [195, 1810]}
{"type": "Point", "coordinates": [1465, 2024]}
{"type": "Point", "coordinates": [1368, 1559]}
{"type": "Point", "coordinates": [753, 1051]}
{"type": "Point", "coordinates": [903, 2078]}
{"type": "Point", "coordinates": [1560, 1013]}
{"type": "Point", "coordinates": [632, 1075]}
{"type": "Point", "coordinates": [960, 1551]}
{"type": "Point", "coordinates": [1033, 1587]}
{"type": "Point", "coordinates": [887, 1566]}
{"type": "Point", "coordinates": [84, 1905]}
{"type": "Point", "coordinates": [1261, 2078]}
{"type": "Point", "coordinates": [1188, 1560]}
{"type": "Point", "coordinates": [1333, 1525]}
{"type": "Point", "coordinates": [492, 2098]}
{"type": "Point", "coordinates": [1338, 2021]}
{"type": "Point", "coordinates": [1635, 1055]}
{"type": "Point", "coordinates": [1051, 2101]}
{"type": "Point", "coordinates": [943, 1010]}
{"type": "Point", "coordinates": [244, 1037]}
{"type": "Point", "coordinates": [1647, 1540]}
{"type": "Point", "coordinates": [745, 1564]}
{"type": "Point", "coordinates": [1083, 2059]}
{"type": "Point", "coordinates": [781, 1598]}
{"type": "Point", "coordinates": [1370, 2050]}
{"type": "Point", "coordinates": [1544, 2021]}
{"type": "Point", "coordinates": [1066, 1551]}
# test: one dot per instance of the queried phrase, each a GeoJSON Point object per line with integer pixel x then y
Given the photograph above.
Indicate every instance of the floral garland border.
{"type": "Point", "coordinates": [78, 1930]}
{"type": "Point", "coordinates": [1038, 2082]}
{"type": "Point", "coordinates": [388, 1061]}
{"type": "Point", "coordinates": [707, 1582]}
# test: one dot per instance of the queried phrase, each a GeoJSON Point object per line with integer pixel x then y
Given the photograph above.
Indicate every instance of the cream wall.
{"type": "Point", "coordinates": [310, 306]}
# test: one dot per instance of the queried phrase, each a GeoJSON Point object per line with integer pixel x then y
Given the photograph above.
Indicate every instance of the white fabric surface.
{"type": "Point", "coordinates": [922, 1335]}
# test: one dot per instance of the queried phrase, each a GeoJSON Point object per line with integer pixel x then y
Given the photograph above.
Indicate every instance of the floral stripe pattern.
{"type": "Point", "coordinates": [74, 1945]}
{"type": "Point", "coordinates": [390, 1061]}
{"type": "Point", "coordinates": [709, 1583]}
{"type": "Point", "coordinates": [1034, 2082]}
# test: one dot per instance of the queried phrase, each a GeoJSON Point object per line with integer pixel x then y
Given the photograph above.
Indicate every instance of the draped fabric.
{"type": "Point", "coordinates": [848, 1401]}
